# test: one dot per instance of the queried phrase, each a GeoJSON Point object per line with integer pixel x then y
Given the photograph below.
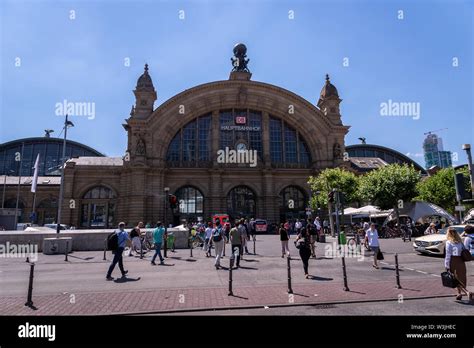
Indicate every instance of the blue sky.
{"type": "Point", "coordinates": [82, 59]}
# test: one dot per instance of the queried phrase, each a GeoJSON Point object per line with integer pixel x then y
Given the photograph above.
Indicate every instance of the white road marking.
{"type": "Point", "coordinates": [422, 272]}
{"type": "Point", "coordinates": [411, 269]}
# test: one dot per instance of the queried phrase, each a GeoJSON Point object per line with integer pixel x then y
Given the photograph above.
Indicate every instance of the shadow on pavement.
{"type": "Point", "coordinates": [250, 260]}
{"type": "Point", "coordinates": [126, 280]}
{"type": "Point", "coordinates": [319, 278]}
{"type": "Point", "coordinates": [242, 267]}
{"type": "Point", "coordinates": [243, 298]}
{"type": "Point", "coordinates": [80, 258]}
{"type": "Point", "coordinates": [296, 294]}
{"type": "Point", "coordinates": [190, 260]}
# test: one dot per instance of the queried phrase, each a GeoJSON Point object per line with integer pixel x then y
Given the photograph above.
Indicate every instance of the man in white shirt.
{"type": "Point", "coordinates": [372, 238]}
{"type": "Point", "coordinates": [207, 243]}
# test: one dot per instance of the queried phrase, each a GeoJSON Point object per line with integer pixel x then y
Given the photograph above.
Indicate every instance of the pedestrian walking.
{"type": "Point", "coordinates": [122, 240]}
{"type": "Point", "coordinates": [236, 243]}
{"type": "Point", "coordinates": [207, 239]}
{"type": "Point", "coordinates": [284, 238]}
{"type": "Point", "coordinates": [245, 235]}
{"type": "Point", "coordinates": [298, 226]}
{"type": "Point", "coordinates": [253, 229]}
{"type": "Point", "coordinates": [468, 231]}
{"type": "Point", "coordinates": [302, 243]}
{"type": "Point", "coordinates": [226, 236]}
{"type": "Point", "coordinates": [158, 234]}
{"type": "Point", "coordinates": [326, 226]}
{"type": "Point", "coordinates": [372, 238]}
{"type": "Point", "coordinates": [135, 235]}
{"type": "Point", "coordinates": [218, 241]}
{"type": "Point", "coordinates": [313, 236]}
{"type": "Point", "coordinates": [453, 261]}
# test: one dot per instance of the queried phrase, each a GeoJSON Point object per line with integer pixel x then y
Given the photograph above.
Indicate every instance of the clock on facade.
{"type": "Point", "coordinates": [241, 146]}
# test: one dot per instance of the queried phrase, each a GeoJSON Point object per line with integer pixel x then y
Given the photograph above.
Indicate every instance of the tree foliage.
{"type": "Point", "coordinates": [440, 188]}
{"type": "Point", "coordinates": [330, 178]}
{"type": "Point", "coordinates": [387, 185]}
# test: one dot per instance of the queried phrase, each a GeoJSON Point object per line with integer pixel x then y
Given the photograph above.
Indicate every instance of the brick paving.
{"type": "Point", "coordinates": [188, 299]}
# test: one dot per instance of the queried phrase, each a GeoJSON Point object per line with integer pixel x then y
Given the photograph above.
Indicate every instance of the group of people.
{"type": "Point", "coordinates": [240, 233]}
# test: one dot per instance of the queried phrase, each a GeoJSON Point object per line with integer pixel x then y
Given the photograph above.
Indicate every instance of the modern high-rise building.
{"type": "Point", "coordinates": [434, 152]}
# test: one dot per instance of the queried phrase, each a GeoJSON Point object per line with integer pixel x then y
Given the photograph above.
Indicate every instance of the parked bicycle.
{"type": "Point", "coordinates": [197, 239]}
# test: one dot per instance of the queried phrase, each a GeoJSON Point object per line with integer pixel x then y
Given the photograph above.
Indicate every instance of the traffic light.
{"type": "Point", "coordinates": [331, 197]}
{"type": "Point", "coordinates": [460, 188]}
{"type": "Point", "coordinates": [173, 201]}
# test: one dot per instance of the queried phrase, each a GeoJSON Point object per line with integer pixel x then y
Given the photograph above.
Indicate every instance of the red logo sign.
{"type": "Point", "coordinates": [240, 120]}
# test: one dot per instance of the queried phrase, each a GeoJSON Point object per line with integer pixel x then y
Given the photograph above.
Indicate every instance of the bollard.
{"type": "Point", "coordinates": [141, 250]}
{"type": "Point", "coordinates": [29, 249]}
{"type": "Point", "coordinates": [29, 301]}
{"type": "Point", "coordinates": [397, 273]}
{"type": "Point", "coordinates": [288, 259]}
{"type": "Point", "coordinates": [191, 250]}
{"type": "Point", "coordinates": [165, 246]}
{"type": "Point", "coordinates": [231, 265]}
{"type": "Point", "coordinates": [105, 249]}
{"type": "Point", "coordinates": [346, 288]}
{"type": "Point", "coordinates": [66, 251]}
{"type": "Point", "coordinates": [254, 246]}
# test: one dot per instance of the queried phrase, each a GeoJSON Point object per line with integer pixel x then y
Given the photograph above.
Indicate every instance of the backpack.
{"type": "Point", "coordinates": [112, 241]}
{"type": "Point", "coordinates": [217, 235]}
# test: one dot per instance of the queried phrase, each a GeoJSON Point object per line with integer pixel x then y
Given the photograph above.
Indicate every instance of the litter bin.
{"type": "Point", "coordinates": [170, 241]}
{"type": "Point", "coordinates": [342, 238]}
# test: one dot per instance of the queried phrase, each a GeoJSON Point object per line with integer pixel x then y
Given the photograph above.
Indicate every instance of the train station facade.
{"type": "Point", "coordinates": [176, 149]}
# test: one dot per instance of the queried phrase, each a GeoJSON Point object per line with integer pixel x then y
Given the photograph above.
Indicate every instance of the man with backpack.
{"type": "Point", "coordinates": [218, 241]}
{"type": "Point", "coordinates": [117, 242]}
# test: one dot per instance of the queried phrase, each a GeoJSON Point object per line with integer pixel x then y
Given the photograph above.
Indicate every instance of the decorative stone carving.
{"type": "Point", "coordinates": [337, 153]}
{"type": "Point", "coordinates": [141, 148]}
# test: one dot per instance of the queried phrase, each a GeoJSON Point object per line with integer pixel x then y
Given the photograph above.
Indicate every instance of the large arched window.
{"type": "Point", "coordinates": [287, 147]}
{"type": "Point", "coordinates": [293, 201]}
{"type": "Point", "coordinates": [241, 203]}
{"type": "Point", "coordinates": [191, 146]}
{"type": "Point", "coordinates": [241, 128]}
{"type": "Point", "coordinates": [191, 200]}
{"type": "Point", "coordinates": [98, 208]}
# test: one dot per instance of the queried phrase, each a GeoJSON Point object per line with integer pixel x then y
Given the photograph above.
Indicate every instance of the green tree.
{"type": "Point", "coordinates": [440, 189]}
{"type": "Point", "coordinates": [340, 179]}
{"type": "Point", "coordinates": [387, 186]}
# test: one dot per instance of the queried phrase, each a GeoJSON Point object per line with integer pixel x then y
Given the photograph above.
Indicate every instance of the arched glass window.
{"type": "Point", "coordinates": [293, 201]}
{"type": "Point", "coordinates": [241, 203]}
{"type": "Point", "coordinates": [241, 126]}
{"type": "Point", "coordinates": [191, 146]}
{"type": "Point", "coordinates": [98, 208]}
{"type": "Point", "coordinates": [191, 200]}
{"type": "Point", "coordinates": [287, 146]}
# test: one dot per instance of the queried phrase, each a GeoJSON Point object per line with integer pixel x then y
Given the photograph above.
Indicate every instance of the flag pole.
{"type": "Point", "coordinates": [34, 183]}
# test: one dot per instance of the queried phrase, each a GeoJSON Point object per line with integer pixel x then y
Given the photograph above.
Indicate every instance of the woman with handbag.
{"type": "Point", "coordinates": [454, 262]}
{"type": "Point", "coordinates": [372, 239]}
{"type": "Point", "coordinates": [303, 244]}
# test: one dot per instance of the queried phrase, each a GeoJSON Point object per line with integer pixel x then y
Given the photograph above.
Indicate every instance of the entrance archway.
{"type": "Point", "coordinates": [241, 203]}
{"type": "Point", "coordinates": [293, 202]}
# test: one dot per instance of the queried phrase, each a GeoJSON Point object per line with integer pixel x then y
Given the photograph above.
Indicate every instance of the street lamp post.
{"type": "Point", "coordinates": [165, 244]}
{"type": "Point", "coordinates": [61, 187]}
{"type": "Point", "coordinates": [467, 148]}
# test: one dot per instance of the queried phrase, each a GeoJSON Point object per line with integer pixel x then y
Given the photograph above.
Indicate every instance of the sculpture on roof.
{"type": "Point", "coordinates": [240, 61]}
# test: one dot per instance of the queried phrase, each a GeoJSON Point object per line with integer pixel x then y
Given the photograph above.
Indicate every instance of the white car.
{"type": "Point", "coordinates": [435, 244]}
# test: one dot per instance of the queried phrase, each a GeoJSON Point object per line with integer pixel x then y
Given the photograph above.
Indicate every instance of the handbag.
{"type": "Point", "coordinates": [380, 255]}
{"type": "Point", "coordinates": [449, 280]}
{"type": "Point", "coordinates": [466, 254]}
